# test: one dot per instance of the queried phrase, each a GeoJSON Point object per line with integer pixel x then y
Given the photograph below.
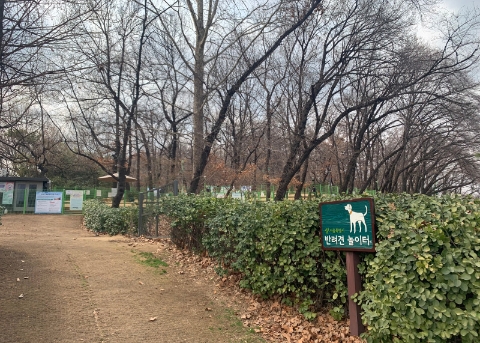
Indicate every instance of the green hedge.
{"type": "Point", "coordinates": [275, 245]}
{"type": "Point", "coordinates": [422, 285]}
{"type": "Point", "coordinates": [101, 218]}
{"type": "Point", "coordinates": [188, 214]}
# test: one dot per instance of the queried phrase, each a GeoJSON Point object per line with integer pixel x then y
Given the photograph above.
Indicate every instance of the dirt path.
{"type": "Point", "coordinates": [61, 283]}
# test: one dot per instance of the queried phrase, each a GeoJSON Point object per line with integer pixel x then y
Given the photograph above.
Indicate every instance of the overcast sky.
{"type": "Point", "coordinates": [456, 5]}
{"type": "Point", "coordinates": [445, 7]}
{"type": "Point", "coordinates": [429, 31]}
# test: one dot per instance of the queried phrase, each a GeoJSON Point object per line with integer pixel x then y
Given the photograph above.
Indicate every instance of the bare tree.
{"type": "Point", "coordinates": [213, 49]}
{"type": "Point", "coordinates": [349, 40]}
{"type": "Point", "coordinates": [103, 96]}
{"type": "Point", "coordinates": [29, 31]}
{"type": "Point", "coordinates": [168, 107]}
{"type": "Point", "coordinates": [241, 135]}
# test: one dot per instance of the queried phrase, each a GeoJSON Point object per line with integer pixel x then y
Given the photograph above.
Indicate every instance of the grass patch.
{"type": "Point", "coordinates": [236, 325]}
{"type": "Point", "coordinates": [150, 260]}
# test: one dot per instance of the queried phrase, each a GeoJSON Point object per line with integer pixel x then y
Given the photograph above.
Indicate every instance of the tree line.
{"type": "Point", "coordinates": [283, 93]}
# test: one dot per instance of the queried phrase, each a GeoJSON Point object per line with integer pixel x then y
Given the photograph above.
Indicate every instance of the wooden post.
{"type": "Point", "coordinates": [354, 286]}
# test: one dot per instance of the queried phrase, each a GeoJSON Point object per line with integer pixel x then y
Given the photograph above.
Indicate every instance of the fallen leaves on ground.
{"type": "Point", "coordinates": [275, 321]}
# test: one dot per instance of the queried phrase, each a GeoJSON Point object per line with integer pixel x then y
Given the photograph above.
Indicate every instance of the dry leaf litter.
{"type": "Point", "coordinates": [275, 321]}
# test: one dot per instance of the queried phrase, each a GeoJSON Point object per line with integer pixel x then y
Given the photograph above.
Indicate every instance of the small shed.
{"type": "Point", "coordinates": [18, 194]}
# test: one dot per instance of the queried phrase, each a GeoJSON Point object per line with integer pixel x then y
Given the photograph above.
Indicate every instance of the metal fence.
{"type": "Point", "coordinates": [23, 201]}
{"type": "Point", "coordinates": [260, 193]}
{"type": "Point", "coordinates": [311, 191]}
{"type": "Point", "coordinates": [148, 201]}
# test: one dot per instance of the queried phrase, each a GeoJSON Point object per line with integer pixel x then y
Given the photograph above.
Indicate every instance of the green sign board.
{"type": "Point", "coordinates": [348, 225]}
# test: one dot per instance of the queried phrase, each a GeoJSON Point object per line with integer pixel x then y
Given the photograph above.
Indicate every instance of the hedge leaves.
{"type": "Point", "coordinates": [421, 285]}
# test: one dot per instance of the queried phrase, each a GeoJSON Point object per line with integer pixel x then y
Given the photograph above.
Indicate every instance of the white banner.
{"type": "Point", "coordinates": [76, 200]}
{"type": "Point", "coordinates": [48, 202]}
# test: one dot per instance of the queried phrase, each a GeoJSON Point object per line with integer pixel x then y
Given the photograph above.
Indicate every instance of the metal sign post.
{"type": "Point", "coordinates": [349, 226]}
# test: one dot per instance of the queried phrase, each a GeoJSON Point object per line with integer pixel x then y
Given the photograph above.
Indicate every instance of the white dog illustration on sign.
{"type": "Point", "coordinates": [356, 217]}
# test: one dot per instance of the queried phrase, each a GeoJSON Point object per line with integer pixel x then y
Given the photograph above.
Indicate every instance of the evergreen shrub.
{"type": "Point", "coordinates": [101, 218]}
{"type": "Point", "coordinates": [421, 285]}
{"type": "Point", "coordinates": [188, 214]}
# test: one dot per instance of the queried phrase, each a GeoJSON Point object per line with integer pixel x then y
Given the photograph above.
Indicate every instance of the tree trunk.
{"type": "Point", "coordinates": [147, 155]}
{"type": "Point", "coordinates": [137, 148]}
{"type": "Point", "coordinates": [303, 176]}
{"type": "Point", "coordinates": [269, 146]}
{"type": "Point", "coordinates": [198, 86]}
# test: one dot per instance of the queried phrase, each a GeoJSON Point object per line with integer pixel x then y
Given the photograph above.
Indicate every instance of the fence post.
{"type": "Point", "coordinates": [63, 201]}
{"type": "Point", "coordinates": [175, 187]}
{"type": "Point", "coordinates": [140, 213]}
{"type": "Point", "coordinates": [25, 199]}
{"type": "Point", "coordinates": [156, 215]}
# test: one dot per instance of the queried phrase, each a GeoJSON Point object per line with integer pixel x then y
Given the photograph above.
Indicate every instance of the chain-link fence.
{"type": "Point", "coordinates": [148, 202]}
